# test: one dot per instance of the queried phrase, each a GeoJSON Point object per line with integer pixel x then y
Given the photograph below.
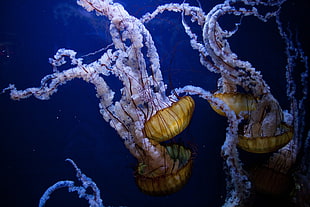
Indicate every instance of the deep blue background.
{"type": "Point", "coordinates": [37, 136]}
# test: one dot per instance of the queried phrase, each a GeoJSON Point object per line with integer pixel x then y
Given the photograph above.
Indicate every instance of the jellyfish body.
{"type": "Point", "coordinates": [271, 182]}
{"type": "Point", "coordinates": [162, 126]}
{"type": "Point", "coordinates": [275, 176]}
{"type": "Point", "coordinates": [237, 102]}
{"type": "Point", "coordinates": [265, 144]}
{"type": "Point", "coordinates": [243, 105]}
{"type": "Point", "coordinates": [170, 121]}
{"type": "Point", "coordinates": [158, 184]}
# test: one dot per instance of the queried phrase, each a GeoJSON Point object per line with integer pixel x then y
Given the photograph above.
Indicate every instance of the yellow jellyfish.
{"type": "Point", "coordinates": [162, 126]}
{"type": "Point", "coordinates": [170, 121]}
{"type": "Point", "coordinates": [247, 103]}
{"type": "Point", "coordinates": [159, 184]}
{"type": "Point", "coordinates": [237, 102]}
{"type": "Point", "coordinates": [265, 144]}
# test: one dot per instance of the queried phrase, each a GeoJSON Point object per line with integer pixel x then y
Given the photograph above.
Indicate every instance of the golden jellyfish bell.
{"type": "Point", "coordinates": [170, 121]}
{"type": "Point", "coordinates": [235, 101]}
{"type": "Point", "coordinates": [269, 181]}
{"type": "Point", "coordinates": [170, 182]}
{"type": "Point", "coordinates": [266, 144]}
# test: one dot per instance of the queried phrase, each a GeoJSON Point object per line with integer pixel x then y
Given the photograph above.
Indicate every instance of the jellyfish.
{"type": "Point", "coordinates": [241, 86]}
{"type": "Point", "coordinates": [257, 123]}
{"type": "Point", "coordinates": [169, 122]}
{"type": "Point", "coordinates": [264, 128]}
{"type": "Point", "coordinates": [284, 175]}
{"type": "Point", "coordinates": [144, 116]}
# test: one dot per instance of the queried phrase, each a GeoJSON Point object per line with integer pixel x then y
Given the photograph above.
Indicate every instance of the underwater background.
{"type": "Point", "coordinates": [37, 136]}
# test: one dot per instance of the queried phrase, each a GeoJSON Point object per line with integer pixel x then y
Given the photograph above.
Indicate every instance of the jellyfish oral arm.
{"type": "Point", "coordinates": [94, 199]}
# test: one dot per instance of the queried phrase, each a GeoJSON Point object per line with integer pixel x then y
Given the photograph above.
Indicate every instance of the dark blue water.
{"type": "Point", "coordinates": [37, 136]}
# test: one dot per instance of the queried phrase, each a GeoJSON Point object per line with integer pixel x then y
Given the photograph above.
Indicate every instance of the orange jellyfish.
{"type": "Point", "coordinates": [265, 144]}
{"type": "Point", "coordinates": [144, 115]}
{"type": "Point", "coordinates": [274, 177]}
{"type": "Point", "coordinates": [237, 102]}
{"type": "Point", "coordinates": [270, 182]}
{"type": "Point", "coordinates": [162, 126]}
{"type": "Point", "coordinates": [158, 184]}
{"type": "Point", "coordinates": [169, 122]}
{"type": "Point", "coordinates": [262, 129]}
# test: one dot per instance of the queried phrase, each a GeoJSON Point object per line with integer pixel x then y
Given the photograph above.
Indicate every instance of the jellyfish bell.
{"type": "Point", "coordinates": [237, 102]}
{"type": "Point", "coordinates": [270, 182]}
{"type": "Point", "coordinates": [266, 144]}
{"type": "Point", "coordinates": [267, 128]}
{"type": "Point", "coordinates": [157, 183]}
{"type": "Point", "coordinates": [274, 177]}
{"type": "Point", "coordinates": [170, 121]}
